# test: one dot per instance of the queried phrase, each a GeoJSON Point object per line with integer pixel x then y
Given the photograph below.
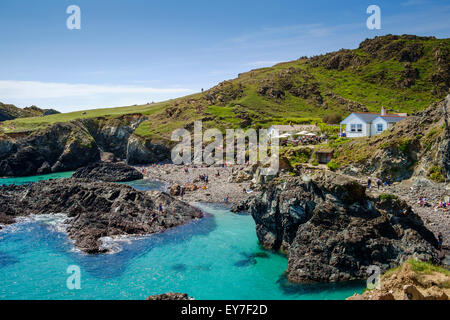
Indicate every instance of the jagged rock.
{"type": "Point", "coordinates": [411, 293]}
{"type": "Point", "coordinates": [332, 231]}
{"type": "Point", "coordinates": [175, 190]}
{"type": "Point", "coordinates": [63, 146]}
{"type": "Point", "coordinates": [96, 209]}
{"type": "Point", "coordinates": [190, 187]}
{"type": "Point", "coordinates": [170, 296]}
{"type": "Point", "coordinates": [44, 169]}
{"type": "Point", "coordinates": [141, 151]}
{"type": "Point", "coordinates": [112, 172]}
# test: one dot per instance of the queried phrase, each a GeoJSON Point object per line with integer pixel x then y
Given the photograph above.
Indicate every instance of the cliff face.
{"type": "Point", "coordinates": [68, 146]}
{"type": "Point", "coordinates": [332, 231]}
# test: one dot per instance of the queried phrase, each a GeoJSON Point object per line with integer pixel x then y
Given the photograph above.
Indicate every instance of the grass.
{"type": "Point", "coordinates": [355, 83]}
{"type": "Point", "coordinates": [426, 268]}
{"type": "Point", "coordinates": [387, 196]}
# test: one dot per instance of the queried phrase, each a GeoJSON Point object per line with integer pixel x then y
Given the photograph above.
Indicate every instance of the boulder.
{"type": "Point", "coordinates": [108, 171]}
{"type": "Point", "coordinates": [170, 296]}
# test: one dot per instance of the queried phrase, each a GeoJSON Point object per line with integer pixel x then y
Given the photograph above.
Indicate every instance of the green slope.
{"type": "Point", "coordinates": [401, 73]}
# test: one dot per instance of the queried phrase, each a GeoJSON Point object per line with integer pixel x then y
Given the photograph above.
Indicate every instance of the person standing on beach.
{"type": "Point", "coordinates": [379, 183]}
{"type": "Point", "coordinates": [369, 182]}
{"type": "Point", "coordinates": [226, 199]}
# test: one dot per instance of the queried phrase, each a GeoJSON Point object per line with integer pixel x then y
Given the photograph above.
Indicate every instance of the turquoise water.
{"type": "Point", "coordinates": [23, 180]}
{"type": "Point", "coordinates": [217, 257]}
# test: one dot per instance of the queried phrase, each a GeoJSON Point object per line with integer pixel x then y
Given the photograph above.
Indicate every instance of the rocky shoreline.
{"type": "Point", "coordinates": [96, 209]}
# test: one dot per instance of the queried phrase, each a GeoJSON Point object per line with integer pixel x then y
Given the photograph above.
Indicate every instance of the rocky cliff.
{"type": "Point", "coordinates": [332, 231]}
{"type": "Point", "coordinates": [71, 145]}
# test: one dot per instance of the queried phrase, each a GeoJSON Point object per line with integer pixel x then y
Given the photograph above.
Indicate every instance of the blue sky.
{"type": "Point", "coordinates": [136, 51]}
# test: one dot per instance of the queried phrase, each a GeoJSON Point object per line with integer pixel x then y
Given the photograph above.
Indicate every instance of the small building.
{"type": "Point", "coordinates": [324, 156]}
{"type": "Point", "coordinates": [277, 130]}
{"type": "Point", "coordinates": [364, 124]}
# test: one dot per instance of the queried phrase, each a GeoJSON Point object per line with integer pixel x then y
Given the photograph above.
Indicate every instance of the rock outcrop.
{"type": "Point", "coordinates": [9, 112]}
{"type": "Point", "coordinates": [61, 147]}
{"type": "Point", "coordinates": [332, 231]}
{"type": "Point", "coordinates": [69, 146]}
{"type": "Point", "coordinates": [108, 171]}
{"type": "Point", "coordinates": [413, 280]}
{"type": "Point", "coordinates": [170, 296]}
{"type": "Point", "coordinates": [96, 209]}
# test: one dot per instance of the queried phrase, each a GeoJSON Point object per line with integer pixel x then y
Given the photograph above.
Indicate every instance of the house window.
{"type": "Point", "coordinates": [353, 128]}
{"type": "Point", "coordinates": [359, 127]}
{"type": "Point", "coordinates": [379, 127]}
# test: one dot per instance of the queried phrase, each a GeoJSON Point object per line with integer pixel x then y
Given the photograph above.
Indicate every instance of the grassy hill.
{"type": "Point", "coordinates": [402, 73]}
{"type": "Point", "coordinates": [9, 111]}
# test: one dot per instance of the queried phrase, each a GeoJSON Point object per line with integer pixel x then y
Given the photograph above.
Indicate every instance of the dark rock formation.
{"type": "Point", "coordinates": [69, 146]}
{"type": "Point", "coordinates": [62, 147]}
{"type": "Point", "coordinates": [96, 209]}
{"type": "Point", "coordinates": [107, 171]}
{"type": "Point", "coordinates": [170, 296]}
{"type": "Point", "coordinates": [141, 151]}
{"type": "Point", "coordinates": [332, 231]}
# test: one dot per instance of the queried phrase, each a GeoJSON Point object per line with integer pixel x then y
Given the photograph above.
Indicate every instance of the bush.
{"type": "Point", "coordinates": [333, 118]}
{"type": "Point", "coordinates": [435, 174]}
{"type": "Point", "coordinates": [386, 196]}
{"type": "Point", "coordinates": [332, 165]}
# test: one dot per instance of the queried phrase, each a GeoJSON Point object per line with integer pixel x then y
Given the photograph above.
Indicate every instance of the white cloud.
{"type": "Point", "coordinates": [36, 89]}
{"type": "Point", "coordinates": [67, 97]}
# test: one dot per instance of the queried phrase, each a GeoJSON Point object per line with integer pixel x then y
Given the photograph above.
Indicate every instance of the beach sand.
{"type": "Point", "coordinates": [217, 187]}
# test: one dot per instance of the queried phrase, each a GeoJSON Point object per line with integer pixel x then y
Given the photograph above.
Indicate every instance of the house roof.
{"type": "Point", "coordinates": [369, 117]}
{"type": "Point", "coordinates": [391, 118]}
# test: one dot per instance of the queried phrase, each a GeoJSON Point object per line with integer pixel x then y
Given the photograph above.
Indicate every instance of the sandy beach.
{"type": "Point", "coordinates": [215, 191]}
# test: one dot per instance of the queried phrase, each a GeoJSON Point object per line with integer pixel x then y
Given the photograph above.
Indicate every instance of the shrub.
{"type": "Point", "coordinates": [435, 174]}
{"type": "Point", "coordinates": [333, 165]}
{"type": "Point", "coordinates": [387, 196]}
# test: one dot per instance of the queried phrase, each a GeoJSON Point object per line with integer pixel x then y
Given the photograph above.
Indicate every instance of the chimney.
{"type": "Point", "coordinates": [383, 111]}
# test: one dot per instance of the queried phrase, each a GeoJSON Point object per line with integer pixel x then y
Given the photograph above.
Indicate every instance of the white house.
{"type": "Point", "coordinates": [363, 124]}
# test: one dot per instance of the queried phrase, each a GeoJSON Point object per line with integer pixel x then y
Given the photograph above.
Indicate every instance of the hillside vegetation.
{"type": "Point", "coordinates": [403, 73]}
{"type": "Point", "coordinates": [9, 112]}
